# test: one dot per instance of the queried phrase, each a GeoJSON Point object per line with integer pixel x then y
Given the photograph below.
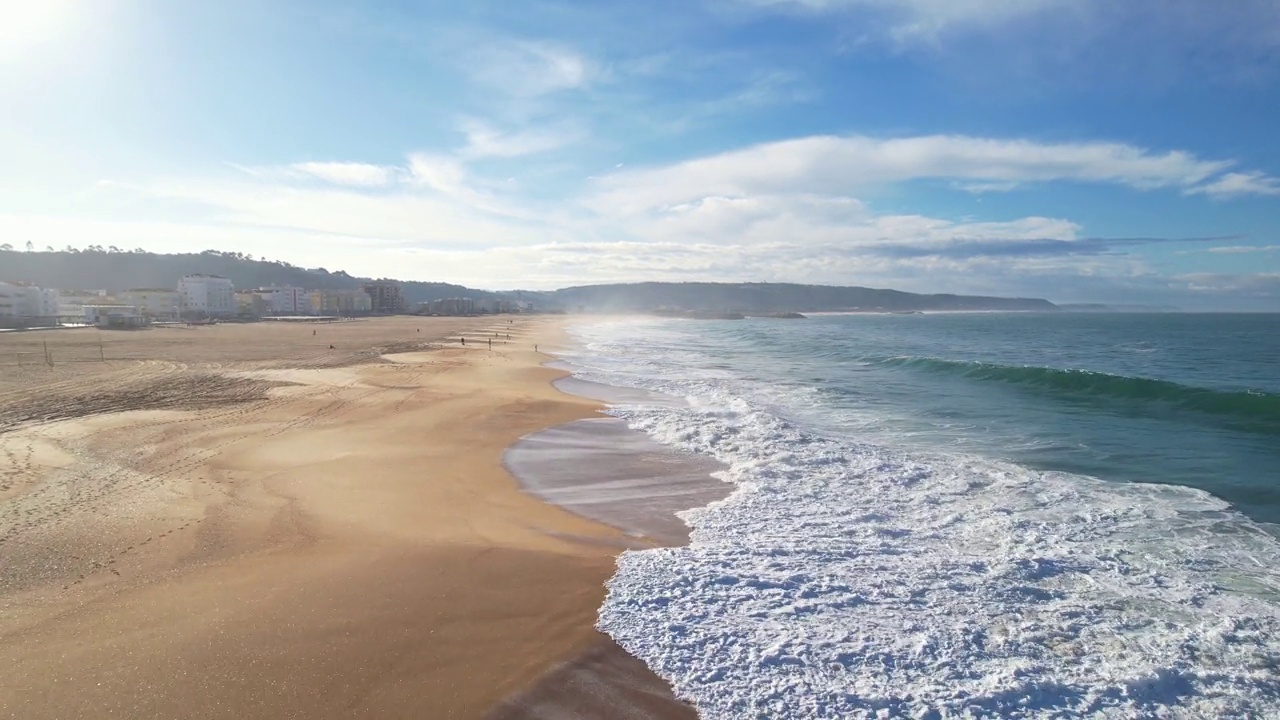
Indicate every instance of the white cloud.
{"type": "Point", "coordinates": [926, 18]}
{"type": "Point", "coordinates": [355, 174]}
{"type": "Point", "coordinates": [346, 173]}
{"type": "Point", "coordinates": [839, 165]}
{"type": "Point", "coordinates": [528, 69]}
{"type": "Point", "coordinates": [1239, 183]}
{"type": "Point", "coordinates": [1265, 284]}
{"type": "Point", "coordinates": [486, 141]}
{"type": "Point", "coordinates": [1243, 249]}
{"type": "Point", "coordinates": [786, 211]}
{"type": "Point", "coordinates": [977, 188]}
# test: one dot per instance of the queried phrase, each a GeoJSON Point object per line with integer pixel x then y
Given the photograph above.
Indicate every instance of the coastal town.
{"type": "Point", "coordinates": [212, 298]}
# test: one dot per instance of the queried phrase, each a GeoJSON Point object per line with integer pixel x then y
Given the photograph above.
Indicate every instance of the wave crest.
{"type": "Point", "coordinates": [1247, 405]}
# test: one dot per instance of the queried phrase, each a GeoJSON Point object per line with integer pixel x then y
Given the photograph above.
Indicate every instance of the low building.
{"type": "Point", "coordinates": [71, 302]}
{"type": "Point", "coordinates": [154, 303]}
{"type": "Point", "coordinates": [114, 316]}
{"type": "Point", "coordinates": [204, 296]}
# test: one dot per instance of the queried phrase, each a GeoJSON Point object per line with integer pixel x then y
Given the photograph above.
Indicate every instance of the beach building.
{"type": "Point", "coordinates": [207, 296]}
{"type": "Point", "coordinates": [25, 305]}
{"type": "Point", "coordinates": [251, 304]}
{"type": "Point", "coordinates": [114, 316]}
{"type": "Point", "coordinates": [341, 302]}
{"type": "Point", "coordinates": [71, 303]}
{"type": "Point", "coordinates": [9, 303]}
{"type": "Point", "coordinates": [495, 305]}
{"type": "Point", "coordinates": [286, 300]}
{"type": "Point", "coordinates": [154, 303]}
{"type": "Point", "coordinates": [385, 296]}
{"type": "Point", "coordinates": [451, 306]}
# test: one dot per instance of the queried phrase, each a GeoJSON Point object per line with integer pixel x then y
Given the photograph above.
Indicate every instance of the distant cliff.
{"type": "Point", "coordinates": [774, 297]}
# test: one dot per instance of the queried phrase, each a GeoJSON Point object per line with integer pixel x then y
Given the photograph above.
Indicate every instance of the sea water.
{"type": "Point", "coordinates": [968, 515]}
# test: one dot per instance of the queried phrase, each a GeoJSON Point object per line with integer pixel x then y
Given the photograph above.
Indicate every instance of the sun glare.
{"type": "Point", "coordinates": [28, 25]}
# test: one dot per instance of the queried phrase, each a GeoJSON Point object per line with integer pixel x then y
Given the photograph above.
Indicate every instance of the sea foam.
{"type": "Point", "coordinates": [846, 579]}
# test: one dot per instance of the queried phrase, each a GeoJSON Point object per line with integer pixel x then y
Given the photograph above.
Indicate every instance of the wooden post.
{"type": "Point", "coordinates": [102, 354]}
{"type": "Point", "coordinates": [48, 359]}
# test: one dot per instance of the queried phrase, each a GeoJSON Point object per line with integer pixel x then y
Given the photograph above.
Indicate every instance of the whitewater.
{"type": "Point", "coordinates": [854, 574]}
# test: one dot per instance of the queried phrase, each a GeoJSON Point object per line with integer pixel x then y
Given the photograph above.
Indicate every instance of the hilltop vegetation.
{"type": "Point", "coordinates": [116, 269]}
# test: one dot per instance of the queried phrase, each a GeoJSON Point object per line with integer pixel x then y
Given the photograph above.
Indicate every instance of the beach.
{"type": "Point", "coordinates": [297, 520]}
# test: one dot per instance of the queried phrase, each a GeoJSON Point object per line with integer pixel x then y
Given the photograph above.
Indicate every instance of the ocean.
{"type": "Point", "coordinates": [960, 515]}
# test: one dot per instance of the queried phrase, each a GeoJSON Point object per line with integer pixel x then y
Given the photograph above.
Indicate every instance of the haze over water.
{"type": "Point", "coordinates": [1014, 515]}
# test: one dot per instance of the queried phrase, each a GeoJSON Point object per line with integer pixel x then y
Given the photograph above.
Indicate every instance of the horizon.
{"type": "Point", "coordinates": [1115, 307]}
{"type": "Point", "coordinates": [1072, 151]}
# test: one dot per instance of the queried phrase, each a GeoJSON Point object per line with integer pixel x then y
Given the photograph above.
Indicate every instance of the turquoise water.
{"type": "Point", "coordinates": [977, 515]}
{"type": "Point", "coordinates": [1162, 398]}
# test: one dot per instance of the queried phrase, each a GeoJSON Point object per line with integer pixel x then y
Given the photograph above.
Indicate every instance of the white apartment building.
{"type": "Point", "coordinates": [207, 296]}
{"type": "Point", "coordinates": [13, 302]}
{"type": "Point", "coordinates": [286, 300]}
{"type": "Point", "coordinates": [23, 302]}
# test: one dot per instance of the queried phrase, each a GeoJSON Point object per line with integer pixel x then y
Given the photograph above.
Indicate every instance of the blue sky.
{"type": "Point", "coordinates": [1081, 150]}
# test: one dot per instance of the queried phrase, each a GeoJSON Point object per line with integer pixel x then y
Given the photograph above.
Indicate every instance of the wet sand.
{"type": "Point", "coordinates": [600, 469]}
{"type": "Point", "coordinates": [238, 522]}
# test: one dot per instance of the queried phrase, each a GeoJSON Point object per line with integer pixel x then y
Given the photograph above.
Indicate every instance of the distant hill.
{"type": "Point", "coordinates": [100, 270]}
{"type": "Point", "coordinates": [96, 269]}
{"type": "Point", "coordinates": [1104, 308]}
{"type": "Point", "coordinates": [774, 297]}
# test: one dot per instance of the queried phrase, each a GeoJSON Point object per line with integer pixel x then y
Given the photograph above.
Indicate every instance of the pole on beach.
{"type": "Point", "coordinates": [48, 359]}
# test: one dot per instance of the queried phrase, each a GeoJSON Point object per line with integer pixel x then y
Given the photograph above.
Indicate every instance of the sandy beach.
{"type": "Point", "coordinates": [242, 521]}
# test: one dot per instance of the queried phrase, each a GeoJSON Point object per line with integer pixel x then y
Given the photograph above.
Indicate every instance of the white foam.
{"type": "Point", "coordinates": [852, 580]}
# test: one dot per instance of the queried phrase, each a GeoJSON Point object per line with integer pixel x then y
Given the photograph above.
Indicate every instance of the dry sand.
{"type": "Point", "coordinates": [240, 522]}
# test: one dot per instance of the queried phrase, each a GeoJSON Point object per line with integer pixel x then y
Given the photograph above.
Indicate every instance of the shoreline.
{"type": "Point", "coordinates": [605, 472]}
{"type": "Point", "coordinates": [602, 470]}
{"type": "Point", "coordinates": [342, 540]}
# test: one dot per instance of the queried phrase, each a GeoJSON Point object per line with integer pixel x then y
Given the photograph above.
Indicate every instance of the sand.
{"type": "Point", "coordinates": [238, 521]}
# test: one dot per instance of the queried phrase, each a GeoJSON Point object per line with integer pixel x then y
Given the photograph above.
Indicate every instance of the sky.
{"type": "Point", "coordinates": [1078, 150]}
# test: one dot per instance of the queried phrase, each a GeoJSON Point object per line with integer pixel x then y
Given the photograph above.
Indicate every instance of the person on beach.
{"type": "Point", "coordinates": [464, 340]}
{"type": "Point", "coordinates": [490, 343]}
